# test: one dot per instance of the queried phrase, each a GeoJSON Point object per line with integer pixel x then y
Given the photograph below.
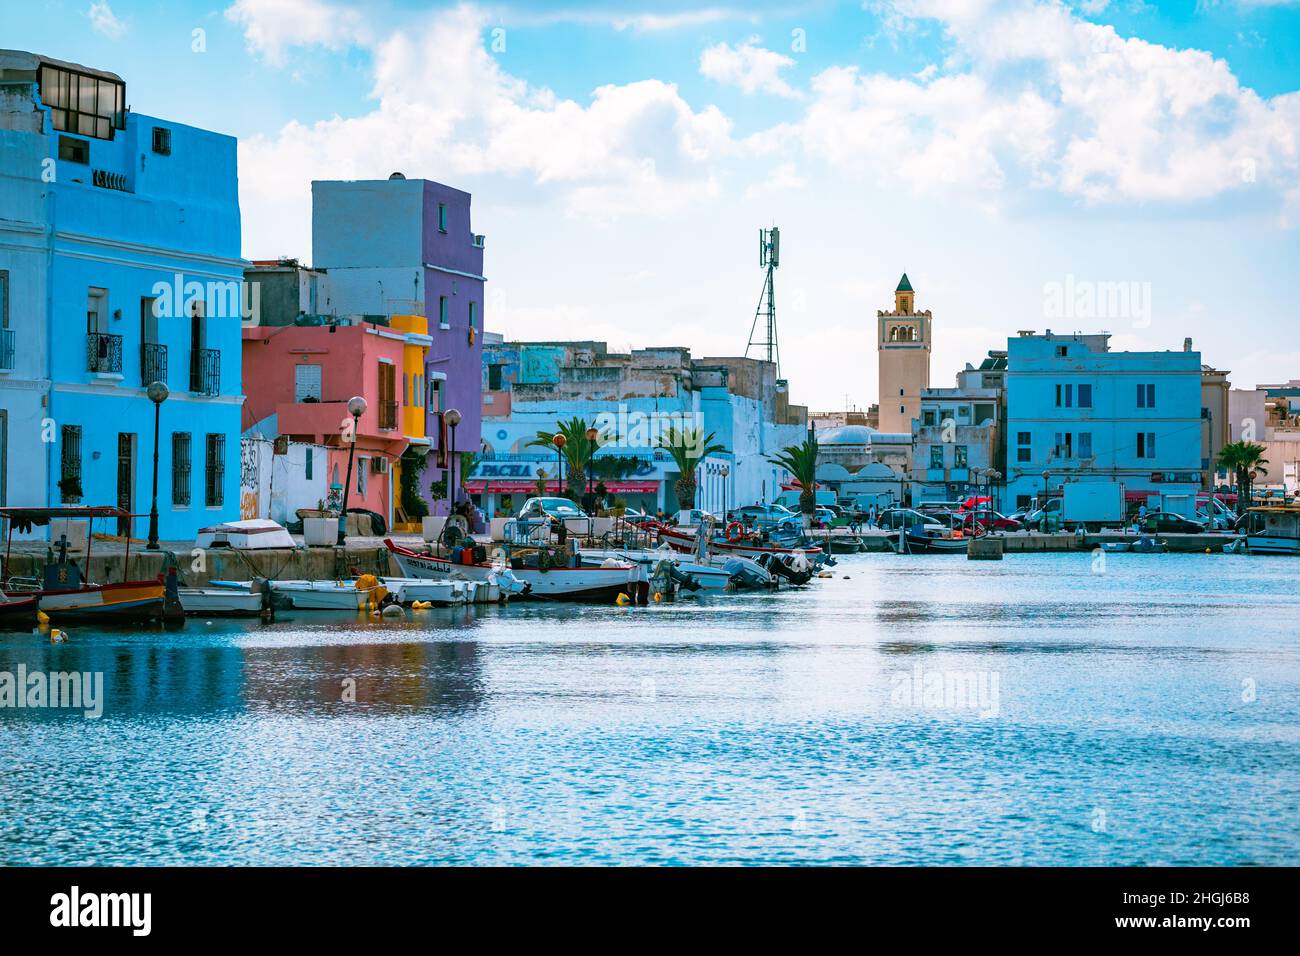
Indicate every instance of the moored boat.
{"type": "Point", "coordinates": [911, 542]}
{"type": "Point", "coordinates": [18, 612]}
{"type": "Point", "coordinates": [224, 601]}
{"type": "Point", "coordinates": [1273, 529]}
{"type": "Point", "coordinates": [326, 595]}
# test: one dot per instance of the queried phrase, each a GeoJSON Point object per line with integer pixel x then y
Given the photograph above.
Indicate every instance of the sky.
{"type": "Point", "coordinates": [1093, 165]}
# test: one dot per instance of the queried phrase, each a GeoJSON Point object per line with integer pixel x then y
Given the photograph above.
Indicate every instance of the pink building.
{"type": "Point", "coordinates": [298, 380]}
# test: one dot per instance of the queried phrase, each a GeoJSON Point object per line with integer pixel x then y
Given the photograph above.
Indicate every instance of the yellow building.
{"type": "Point", "coordinates": [903, 339]}
{"type": "Point", "coordinates": [413, 400]}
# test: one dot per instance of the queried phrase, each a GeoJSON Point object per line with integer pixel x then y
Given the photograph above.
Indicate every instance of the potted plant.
{"type": "Point", "coordinates": [70, 489]}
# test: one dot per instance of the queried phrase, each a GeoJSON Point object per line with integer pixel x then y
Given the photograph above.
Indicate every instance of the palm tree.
{"type": "Point", "coordinates": [578, 450]}
{"type": "Point", "coordinates": [1240, 458]}
{"type": "Point", "coordinates": [801, 461]}
{"type": "Point", "coordinates": [688, 448]}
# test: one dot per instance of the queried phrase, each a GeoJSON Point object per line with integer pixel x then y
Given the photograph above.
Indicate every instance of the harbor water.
{"type": "Point", "coordinates": [1044, 709]}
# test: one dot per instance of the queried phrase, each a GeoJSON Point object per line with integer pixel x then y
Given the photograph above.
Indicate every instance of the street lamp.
{"type": "Point", "coordinates": [725, 472]}
{"type": "Point", "coordinates": [452, 418]}
{"type": "Point", "coordinates": [157, 392]}
{"type": "Point", "coordinates": [990, 476]}
{"type": "Point", "coordinates": [592, 435]}
{"type": "Point", "coordinates": [558, 441]}
{"type": "Point", "coordinates": [356, 408]}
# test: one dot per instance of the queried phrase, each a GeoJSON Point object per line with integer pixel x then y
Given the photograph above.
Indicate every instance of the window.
{"type": "Point", "coordinates": [1085, 444]}
{"type": "Point", "coordinates": [473, 315]}
{"type": "Point", "coordinates": [928, 417]}
{"type": "Point", "coordinates": [936, 456]}
{"type": "Point", "coordinates": [306, 383]}
{"type": "Point", "coordinates": [387, 395]}
{"type": "Point", "coordinates": [1085, 396]}
{"type": "Point", "coordinates": [1146, 396]}
{"type": "Point", "coordinates": [959, 456]}
{"type": "Point", "coordinates": [985, 413]}
{"type": "Point", "coordinates": [1064, 447]}
{"type": "Point", "coordinates": [81, 103]}
{"type": "Point", "coordinates": [1062, 351]}
{"type": "Point", "coordinates": [181, 468]}
{"type": "Point", "coordinates": [435, 395]}
{"type": "Point", "coordinates": [494, 378]}
{"type": "Point", "coordinates": [406, 389]}
{"type": "Point", "coordinates": [1023, 452]}
{"type": "Point", "coordinates": [444, 312]}
{"type": "Point", "coordinates": [1146, 445]}
{"type": "Point", "coordinates": [70, 464]}
{"type": "Point", "coordinates": [1064, 396]}
{"type": "Point", "coordinates": [4, 299]}
{"type": "Point", "coordinates": [162, 141]}
{"type": "Point", "coordinates": [309, 463]}
{"type": "Point", "coordinates": [74, 150]}
{"type": "Point", "coordinates": [96, 309]}
{"type": "Point", "coordinates": [214, 470]}
{"type": "Point", "coordinates": [363, 468]}
{"type": "Point", "coordinates": [442, 217]}
{"type": "Point", "coordinates": [902, 409]}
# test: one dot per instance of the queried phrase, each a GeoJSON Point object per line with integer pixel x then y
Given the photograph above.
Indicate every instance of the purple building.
{"type": "Point", "coordinates": [405, 246]}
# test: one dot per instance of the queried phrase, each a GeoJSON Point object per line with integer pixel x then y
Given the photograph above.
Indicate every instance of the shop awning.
{"type": "Point", "coordinates": [530, 488]}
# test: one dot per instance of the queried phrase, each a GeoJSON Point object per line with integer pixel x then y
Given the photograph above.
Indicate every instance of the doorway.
{"type": "Point", "coordinates": [125, 480]}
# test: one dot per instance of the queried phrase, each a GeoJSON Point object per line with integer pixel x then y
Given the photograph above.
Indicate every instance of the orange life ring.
{"type": "Point", "coordinates": [735, 531]}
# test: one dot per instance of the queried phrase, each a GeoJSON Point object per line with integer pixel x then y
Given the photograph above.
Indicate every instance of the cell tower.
{"type": "Point", "coordinates": [769, 257]}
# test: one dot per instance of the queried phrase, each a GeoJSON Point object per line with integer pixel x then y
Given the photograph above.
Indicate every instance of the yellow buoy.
{"type": "Point", "coordinates": [658, 597]}
{"type": "Point", "coordinates": [42, 617]}
{"type": "Point", "coordinates": [622, 599]}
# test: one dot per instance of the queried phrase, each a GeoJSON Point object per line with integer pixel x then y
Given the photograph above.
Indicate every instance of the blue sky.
{"type": "Point", "coordinates": [623, 156]}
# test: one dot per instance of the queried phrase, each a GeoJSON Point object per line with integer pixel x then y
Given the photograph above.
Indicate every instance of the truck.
{"type": "Point", "coordinates": [1092, 505]}
{"type": "Point", "coordinates": [1183, 505]}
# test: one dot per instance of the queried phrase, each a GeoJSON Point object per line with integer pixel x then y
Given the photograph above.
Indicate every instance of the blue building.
{"type": "Point", "coordinates": [120, 266]}
{"type": "Point", "coordinates": [1076, 411]}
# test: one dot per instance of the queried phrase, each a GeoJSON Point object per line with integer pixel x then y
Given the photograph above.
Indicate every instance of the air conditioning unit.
{"type": "Point", "coordinates": [379, 466]}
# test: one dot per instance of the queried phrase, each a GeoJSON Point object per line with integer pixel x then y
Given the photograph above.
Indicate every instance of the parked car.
{"type": "Point", "coordinates": [1166, 522]}
{"type": "Point", "coordinates": [989, 519]}
{"type": "Point", "coordinates": [761, 515]}
{"type": "Point", "coordinates": [927, 507]}
{"type": "Point", "coordinates": [561, 508]}
{"type": "Point", "coordinates": [636, 516]}
{"type": "Point", "coordinates": [895, 518]}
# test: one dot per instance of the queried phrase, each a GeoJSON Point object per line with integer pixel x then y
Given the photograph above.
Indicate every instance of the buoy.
{"type": "Point", "coordinates": [57, 636]}
{"type": "Point", "coordinates": [622, 599]}
{"type": "Point", "coordinates": [42, 617]}
{"type": "Point", "coordinates": [421, 605]}
{"type": "Point", "coordinates": [393, 610]}
{"type": "Point", "coordinates": [658, 597]}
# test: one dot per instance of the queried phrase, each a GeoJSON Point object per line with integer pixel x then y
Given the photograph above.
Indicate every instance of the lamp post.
{"type": "Point", "coordinates": [592, 435]}
{"type": "Point", "coordinates": [356, 408]}
{"type": "Point", "coordinates": [558, 441]}
{"type": "Point", "coordinates": [1046, 476]}
{"type": "Point", "coordinates": [990, 476]}
{"type": "Point", "coordinates": [157, 392]}
{"type": "Point", "coordinates": [725, 472]}
{"type": "Point", "coordinates": [452, 418]}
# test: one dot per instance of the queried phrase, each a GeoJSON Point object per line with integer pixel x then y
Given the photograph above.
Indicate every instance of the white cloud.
{"type": "Point", "coordinates": [446, 110]}
{"type": "Point", "coordinates": [748, 66]}
{"type": "Point", "coordinates": [1048, 100]}
{"type": "Point", "coordinates": [272, 27]}
{"type": "Point", "coordinates": [104, 22]}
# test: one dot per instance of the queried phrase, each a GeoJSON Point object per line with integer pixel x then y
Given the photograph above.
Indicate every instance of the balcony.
{"type": "Point", "coordinates": [153, 363]}
{"type": "Point", "coordinates": [104, 353]}
{"type": "Point", "coordinates": [388, 416]}
{"type": "Point", "coordinates": [205, 371]}
{"type": "Point", "coordinates": [6, 350]}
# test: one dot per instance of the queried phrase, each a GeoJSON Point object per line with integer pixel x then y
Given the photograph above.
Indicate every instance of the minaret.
{"type": "Point", "coordinates": [903, 347]}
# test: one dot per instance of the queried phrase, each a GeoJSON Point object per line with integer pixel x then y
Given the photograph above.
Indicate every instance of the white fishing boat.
{"type": "Point", "coordinates": [222, 601]}
{"type": "Point", "coordinates": [323, 595]}
{"type": "Point", "coordinates": [684, 540]}
{"type": "Point", "coordinates": [1273, 529]}
{"type": "Point", "coordinates": [552, 580]}
{"type": "Point", "coordinates": [707, 576]}
{"type": "Point", "coordinates": [442, 593]}
{"type": "Point", "coordinates": [254, 534]}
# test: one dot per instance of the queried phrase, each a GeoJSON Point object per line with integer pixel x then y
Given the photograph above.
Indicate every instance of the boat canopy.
{"type": "Point", "coordinates": [23, 519]}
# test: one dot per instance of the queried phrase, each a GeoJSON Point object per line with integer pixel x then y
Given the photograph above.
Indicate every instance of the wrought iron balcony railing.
{"type": "Point", "coordinates": [153, 363]}
{"type": "Point", "coordinates": [205, 371]}
{"type": "Point", "coordinates": [103, 352]}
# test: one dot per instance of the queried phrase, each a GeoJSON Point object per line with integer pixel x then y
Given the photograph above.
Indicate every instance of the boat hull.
{"type": "Point", "coordinates": [1272, 544]}
{"type": "Point", "coordinates": [127, 601]}
{"type": "Point", "coordinates": [320, 596]}
{"type": "Point", "coordinates": [18, 613]}
{"type": "Point", "coordinates": [221, 602]}
{"type": "Point", "coordinates": [921, 544]}
{"type": "Point", "coordinates": [685, 543]}
{"type": "Point", "coordinates": [557, 584]}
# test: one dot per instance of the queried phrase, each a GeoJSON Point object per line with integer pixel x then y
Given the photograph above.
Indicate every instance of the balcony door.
{"type": "Point", "coordinates": [125, 479]}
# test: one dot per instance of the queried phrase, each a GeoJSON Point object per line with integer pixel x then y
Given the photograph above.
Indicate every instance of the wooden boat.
{"type": "Point", "coordinates": [554, 581]}
{"type": "Point", "coordinates": [323, 595]}
{"type": "Point", "coordinates": [911, 542]}
{"type": "Point", "coordinates": [63, 592]}
{"type": "Point", "coordinates": [18, 612]}
{"type": "Point", "coordinates": [223, 601]}
{"type": "Point", "coordinates": [1273, 529]}
{"type": "Point", "coordinates": [683, 541]}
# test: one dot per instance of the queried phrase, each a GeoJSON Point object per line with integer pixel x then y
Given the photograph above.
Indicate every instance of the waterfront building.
{"type": "Point", "coordinates": [1269, 415]}
{"type": "Point", "coordinates": [903, 340]}
{"type": "Point", "coordinates": [959, 436]}
{"type": "Point", "coordinates": [1077, 411]}
{"type": "Point", "coordinates": [858, 462]}
{"type": "Point", "coordinates": [1215, 388]}
{"type": "Point", "coordinates": [299, 380]}
{"type": "Point", "coordinates": [530, 386]}
{"type": "Point", "coordinates": [119, 266]}
{"type": "Point", "coordinates": [402, 246]}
